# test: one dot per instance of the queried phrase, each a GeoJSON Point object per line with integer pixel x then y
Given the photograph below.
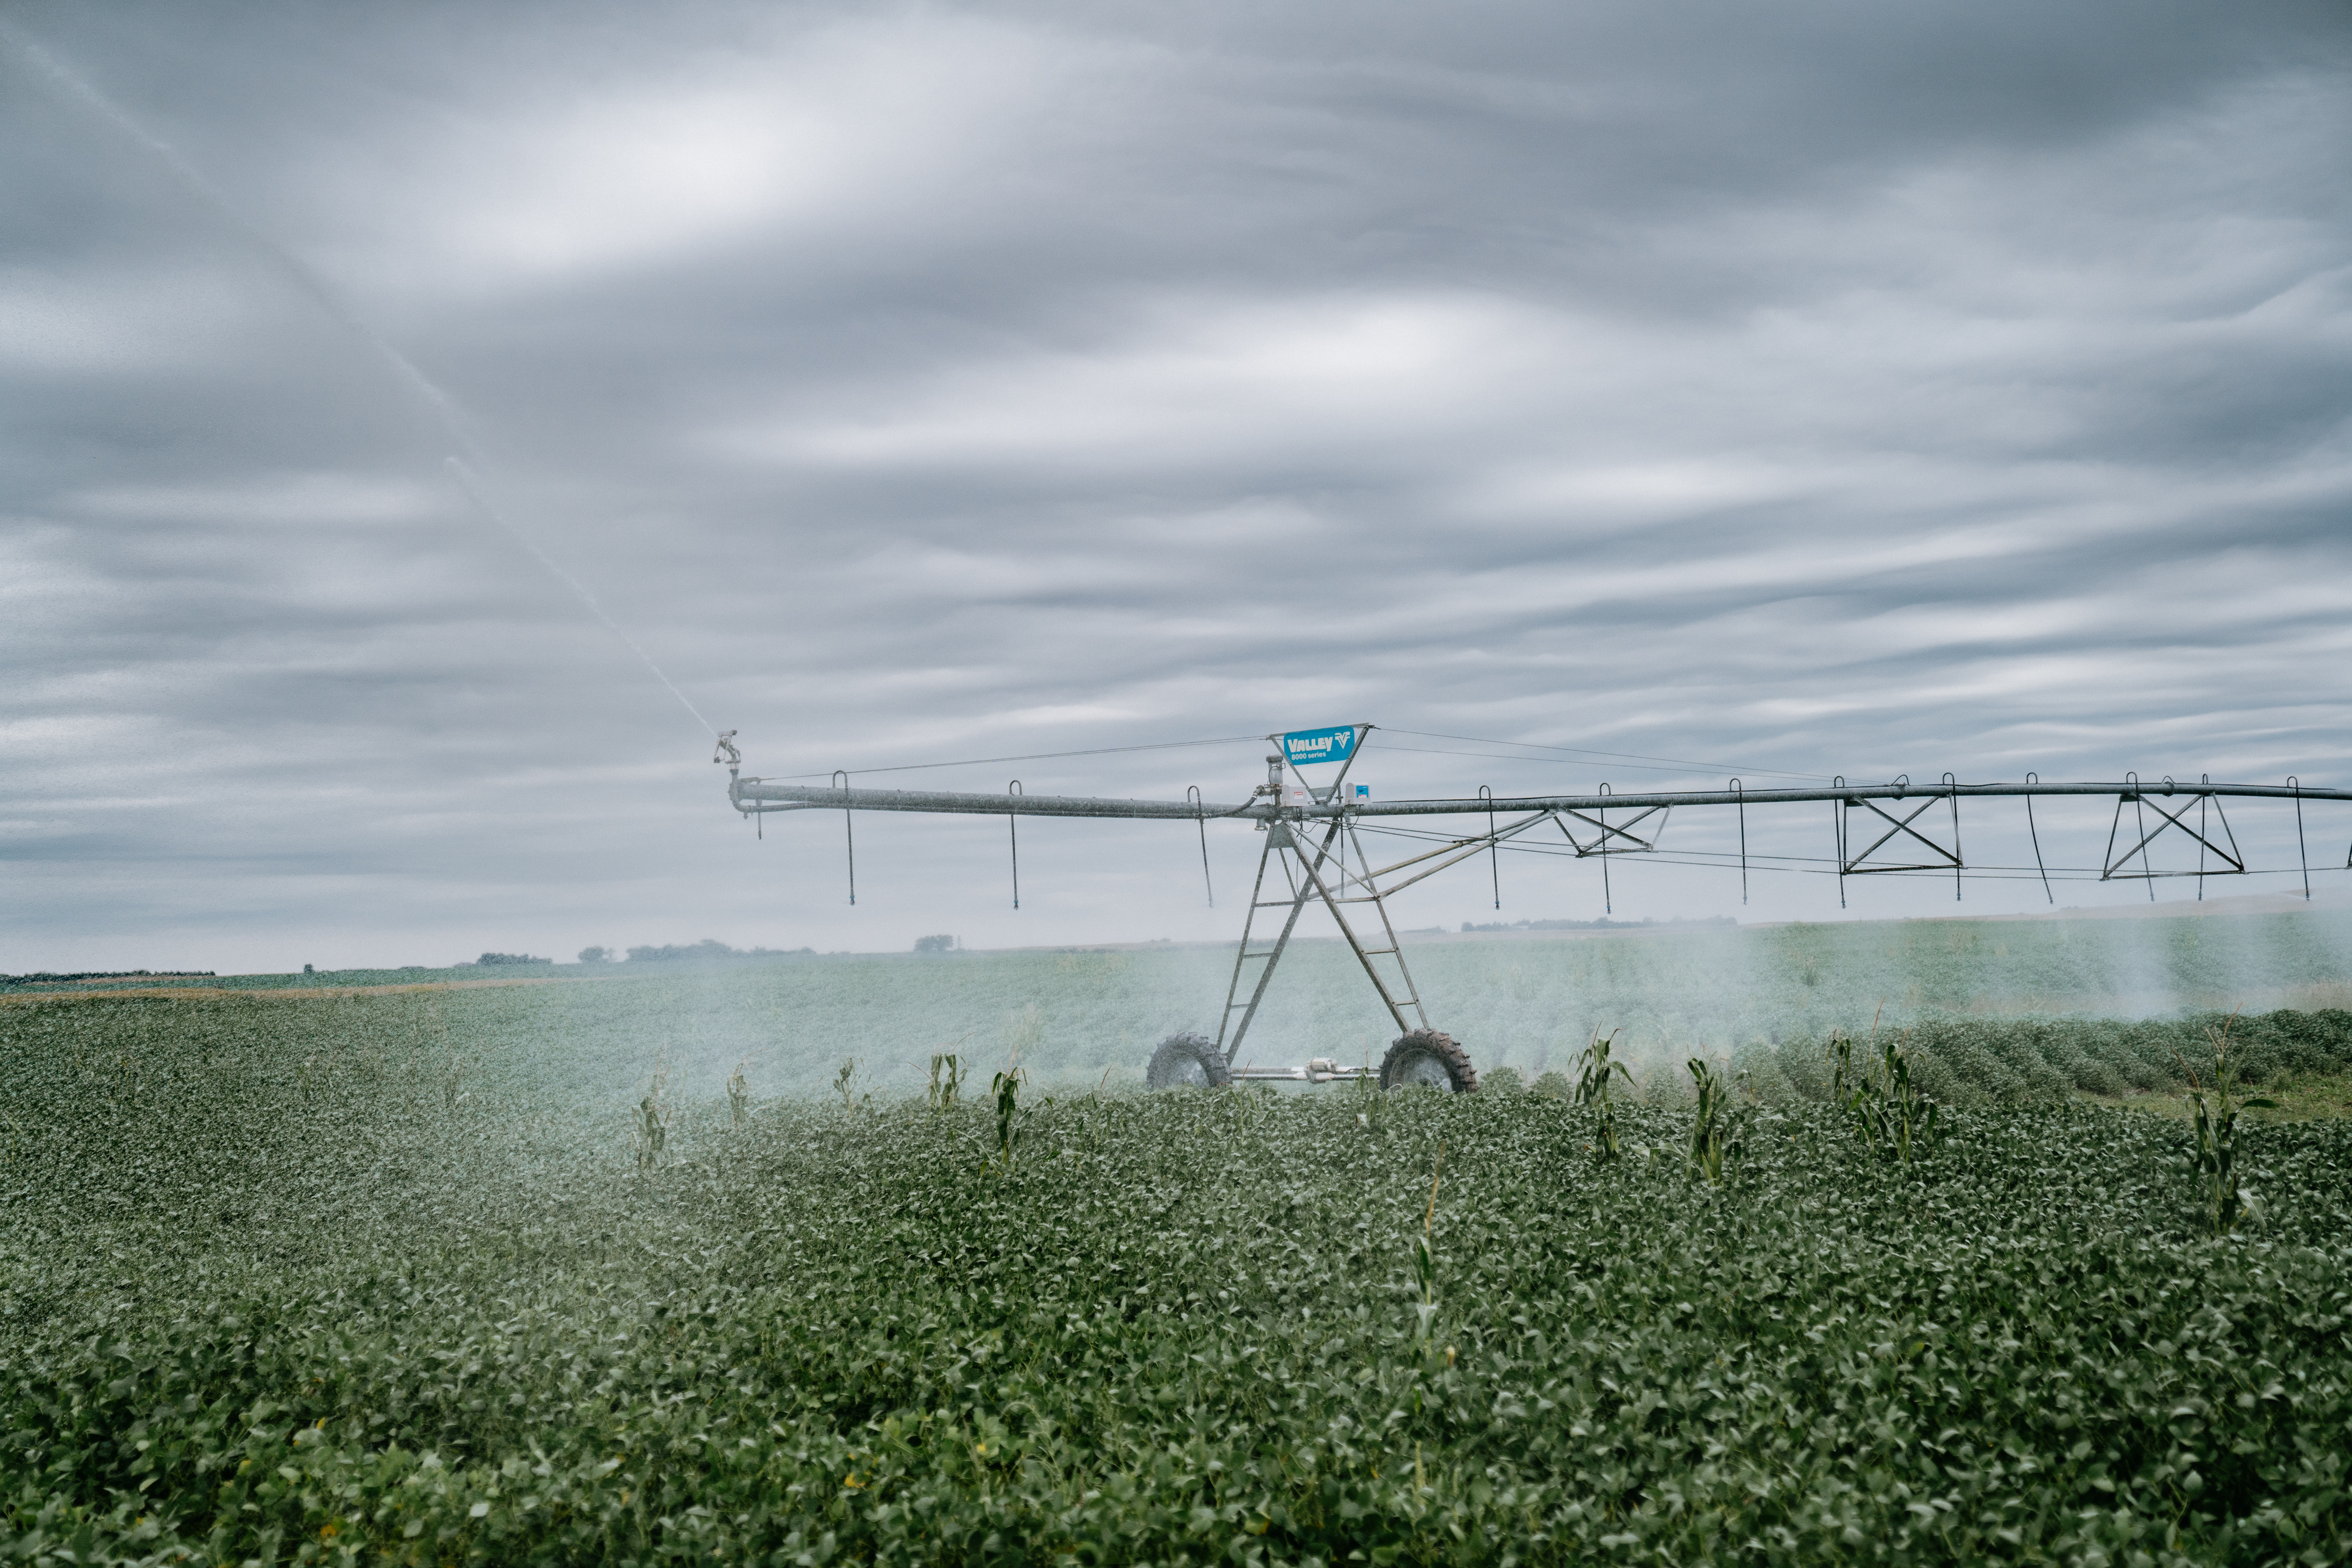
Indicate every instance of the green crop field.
{"type": "Point", "coordinates": [509, 1274]}
{"type": "Point", "coordinates": [1526, 1002]}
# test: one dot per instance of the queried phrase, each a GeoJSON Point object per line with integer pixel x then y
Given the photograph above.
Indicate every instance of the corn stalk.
{"type": "Point", "coordinates": [1889, 1113]}
{"type": "Point", "coordinates": [1716, 1130]}
{"type": "Point", "coordinates": [649, 1123]}
{"type": "Point", "coordinates": [2226, 1200]}
{"type": "Point", "coordinates": [1424, 1256]}
{"type": "Point", "coordinates": [1596, 1075]}
{"type": "Point", "coordinates": [947, 1079]}
{"type": "Point", "coordinates": [1006, 1088]}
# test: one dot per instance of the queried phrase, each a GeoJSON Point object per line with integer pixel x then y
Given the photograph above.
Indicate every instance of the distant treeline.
{"type": "Point", "coordinates": [1604, 923]}
{"type": "Point", "coordinates": [43, 977]}
{"type": "Point", "coordinates": [705, 948]}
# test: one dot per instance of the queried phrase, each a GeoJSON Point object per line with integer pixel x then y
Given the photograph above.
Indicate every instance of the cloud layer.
{"type": "Point", "coordinates": [1829, 390]}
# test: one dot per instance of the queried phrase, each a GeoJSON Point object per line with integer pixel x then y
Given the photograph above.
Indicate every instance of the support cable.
{"type": "Point", "coordinates": [1037, 756]}
{"type": "Point", "coordinates": [1582, 751]}
{"type": "Point", "coordinates": [2035, 834]}
{"type": "Point", "coordinates": [1810, 866]}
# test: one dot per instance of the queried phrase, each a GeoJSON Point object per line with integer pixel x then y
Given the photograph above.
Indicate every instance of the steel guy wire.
{"type": "Point", "coordinates": [1517, 757]}
{"type": "Point", "coordinates": [1033, 757]}
{"type": "Point", "coordinates": [1813, 865]}
{"type": "Point", "coordinates": [1585, 752]}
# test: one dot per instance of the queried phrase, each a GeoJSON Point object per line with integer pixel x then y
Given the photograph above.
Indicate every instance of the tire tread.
{"type": "Point", "coordinates": [1183, 1046]}
{"type": "Point", "coordinates": [1430, 1042]}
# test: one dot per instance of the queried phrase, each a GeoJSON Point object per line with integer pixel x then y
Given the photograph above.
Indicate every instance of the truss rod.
{"type": "Point", "coordinates": [2229, 858]}
{"type": "Point", "coordinates": [1858, 865]}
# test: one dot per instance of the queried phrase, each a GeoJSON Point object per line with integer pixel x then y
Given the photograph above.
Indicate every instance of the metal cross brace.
{"type": "Point", "coordinates": [1857, 866]}
{"type": "Point", "coordinates": [1305, 876]}
{"type": "Point", "coordinates": [1453, 852]}
{"type": "Point", "coordinates": [2231, 857]}
{"type": "Point", "coordinates": [1603, 841]}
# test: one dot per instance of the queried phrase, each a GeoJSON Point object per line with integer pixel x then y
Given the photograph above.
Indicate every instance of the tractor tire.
{"type": "Point", "coordinates": [1187, 1062]}
{"type": "Point", "coordinates": [1427, 1059]}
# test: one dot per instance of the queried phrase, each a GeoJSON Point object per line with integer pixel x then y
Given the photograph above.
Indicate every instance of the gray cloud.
{"type": "Point", "coordinates": [1827, 389]}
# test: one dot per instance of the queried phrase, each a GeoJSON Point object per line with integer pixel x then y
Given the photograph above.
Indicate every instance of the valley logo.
{"type": "Point", "coordinates": [1336, 744]}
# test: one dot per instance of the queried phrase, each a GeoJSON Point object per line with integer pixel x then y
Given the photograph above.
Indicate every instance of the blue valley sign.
{"type": "Point", "coordinates": [1336, 744]}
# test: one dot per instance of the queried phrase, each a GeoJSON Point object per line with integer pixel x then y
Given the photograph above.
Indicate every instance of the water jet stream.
{"type": "Point", "coordinates": [291, 270]}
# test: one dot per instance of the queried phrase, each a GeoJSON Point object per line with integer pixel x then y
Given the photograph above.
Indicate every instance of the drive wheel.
{"type": "Point", "coordinates": [1187, 1062]}
{"type": "Point", "coordinates": [1427, 1059]}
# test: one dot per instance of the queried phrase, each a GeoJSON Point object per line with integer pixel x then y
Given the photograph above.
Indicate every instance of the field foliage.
{"type": "Point", "coordinates": [554, 1273]}
{"type": "Point", "coordinates": [1528, 1003]}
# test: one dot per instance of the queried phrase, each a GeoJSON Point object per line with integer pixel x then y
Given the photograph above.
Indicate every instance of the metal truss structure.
{"type": "Point", "coordinates": [1314, 852]}
{"type": "Point", "coordinates": [2231, 862]}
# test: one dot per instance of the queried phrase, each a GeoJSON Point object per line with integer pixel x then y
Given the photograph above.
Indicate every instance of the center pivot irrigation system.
{"type": "Point", "coordinates": [1314, 841]}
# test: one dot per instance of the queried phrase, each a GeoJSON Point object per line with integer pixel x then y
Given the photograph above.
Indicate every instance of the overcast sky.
{"type": "Point", "coordinates": [1807, 389]}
